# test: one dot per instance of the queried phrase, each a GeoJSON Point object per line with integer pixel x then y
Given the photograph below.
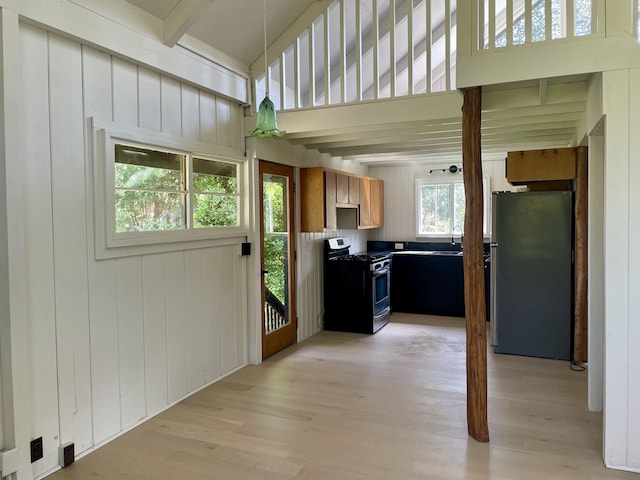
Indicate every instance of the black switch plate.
{"type": "Point", "coordinates": [36, 449]}
{"type": "Point", "coordinates": [246, 248]}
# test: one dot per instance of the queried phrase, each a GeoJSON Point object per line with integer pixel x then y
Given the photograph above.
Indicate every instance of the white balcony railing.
{"type": "Point", "coordinates": [362, 50]}
{"type": "Point", "coordinates": [505, 23]}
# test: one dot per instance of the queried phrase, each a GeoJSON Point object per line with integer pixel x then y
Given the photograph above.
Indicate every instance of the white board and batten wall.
{"type": "Point", "coordinates": [115, 341]}
{"type": "Point", "coordinates": [400, 197]}
{"type": "Point", "coordinates": [621, 108]}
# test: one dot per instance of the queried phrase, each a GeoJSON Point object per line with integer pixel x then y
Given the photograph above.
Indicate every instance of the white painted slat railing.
{"type": "Point", "coordinates": [505, 23]}
{"type": "Point", "coordinates": [363, 50]}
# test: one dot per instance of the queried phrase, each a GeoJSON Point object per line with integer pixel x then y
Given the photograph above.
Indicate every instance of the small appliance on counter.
{"type": "Point", "coordinates": [356, 288]}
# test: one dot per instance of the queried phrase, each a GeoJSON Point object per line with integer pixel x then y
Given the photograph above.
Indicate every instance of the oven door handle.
{"type": "Point", "coordinates": [382, 271]}
{"type": "Point", "coordinates": [383, 313]}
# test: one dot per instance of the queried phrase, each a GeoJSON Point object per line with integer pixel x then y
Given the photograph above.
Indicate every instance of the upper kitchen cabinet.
{"type": "Point", "coordinates": [377, 202]}
{"type": "Point", "coordinates": [318, 199]}
{"type": "Point", "coordinates": [371, 203]}
{"type": "Point", "coordinates": [332, 200]}
{"type": "Point", "coordinates": [347, 190]}
{"type": "Point", "coordinates": [532, 166]}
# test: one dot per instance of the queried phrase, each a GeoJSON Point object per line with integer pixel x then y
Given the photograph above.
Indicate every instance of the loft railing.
{"type": "Point", "coordinates": [360, 50]}
{"type": "Point", "coordinates": [506, 23]}
{"type": "Point", "coordinates": [363, 50]}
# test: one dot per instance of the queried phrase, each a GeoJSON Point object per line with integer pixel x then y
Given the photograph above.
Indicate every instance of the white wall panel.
{"type": "Point", "coordinates": [155, 333]}
{"type": "Point", "coordinates": [195, 293]}
{"type": "Point", "coordinates": [190, 112]}
{"type": "Point", "coordinates": [125, 91]}
{"type": "Point", "coordinates": [616, 86]}
{"type": "Point", "coordinates": [70, 242]}
{"type": "Point", "coordinates": [226, 299]}
{"type": "Point", "coordinates": [105, 366]}
{"type": "Point", "coordinates": [149, 100]}
{"type": "Point", "coordinates": [39, 247]}
{"type": "Point", "coordinates": [208, 113]}
{"type": "Point", "coordinates": [241, 306]}
{"type": "Point", "coordinates": [211, 291]}
{"type": "Point", "coordinates": [130, 340]}
{"type": "Point", "coordinates": [633, 448]}
{"type": "Point", "coordinates": [171, 112]}
{"type": "Point", "coordinates": [174, 299]}
{"type": "Point", "coordinates": [223, 121]}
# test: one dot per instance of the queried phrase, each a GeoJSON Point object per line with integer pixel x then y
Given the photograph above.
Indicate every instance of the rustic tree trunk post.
{"type": "Point", "coordinates": [474, 267]}
{"type": "Point", "coordinates": [580, 212]}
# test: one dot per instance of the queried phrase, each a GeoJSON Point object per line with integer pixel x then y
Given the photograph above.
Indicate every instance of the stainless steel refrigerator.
{"type": "Point", "coordinates": [531, 273]}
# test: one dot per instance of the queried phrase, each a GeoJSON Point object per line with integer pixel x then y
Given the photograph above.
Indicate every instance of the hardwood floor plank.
{"type": "Point", "coordinates": [388, 406]}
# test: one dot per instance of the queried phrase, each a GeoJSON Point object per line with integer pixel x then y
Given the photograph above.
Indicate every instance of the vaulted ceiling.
{"type": "Point", "coordinates": [546, 113]}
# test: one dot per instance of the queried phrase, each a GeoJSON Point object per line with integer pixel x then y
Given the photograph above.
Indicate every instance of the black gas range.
{"type": "Point", "coordinates": [356, 288]}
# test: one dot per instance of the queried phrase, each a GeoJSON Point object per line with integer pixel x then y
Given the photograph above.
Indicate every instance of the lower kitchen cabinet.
{"type": "Point", "coordinates": [430, 284]}
{"type": "Point", "coordinates": [427, 284]}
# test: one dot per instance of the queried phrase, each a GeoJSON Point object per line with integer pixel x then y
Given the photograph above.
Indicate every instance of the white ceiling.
{"type": "Point", "coordinates": [528, 115]}
{"type": "Point", "coordinates": [235, 27]}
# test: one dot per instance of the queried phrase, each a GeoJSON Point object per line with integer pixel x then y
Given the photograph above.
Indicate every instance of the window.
{"type": "Point", "coordinates": [152, 192]}
{"type": "Point", "coordinates": [440, 207]}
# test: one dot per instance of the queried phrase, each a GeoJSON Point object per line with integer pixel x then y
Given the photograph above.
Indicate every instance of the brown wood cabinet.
{"type": "Point", "coordinates": [331, 200]}
{"type": "Point", "coordinates": [347, 190]}
{"type": "Point", "coordinates": [525, 167]}
{"type": "Point", "coordinates": [377, 202]}
{"type": "Point", "coordinates": [317, 209]}
{"type": "Point", "coordinates": [365, 203]}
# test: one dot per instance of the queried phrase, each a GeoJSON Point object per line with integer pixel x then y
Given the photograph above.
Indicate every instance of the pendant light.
{"type": "Point", "coordinates": [266, 123]}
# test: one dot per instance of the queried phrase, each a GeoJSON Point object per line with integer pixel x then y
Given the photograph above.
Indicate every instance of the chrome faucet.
{"type": "Point", "coordinates": [453, 235]}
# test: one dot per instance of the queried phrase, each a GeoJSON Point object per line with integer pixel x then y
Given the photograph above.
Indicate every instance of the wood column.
{"type": "Point", "coordinates": [474, 267]}
{"type": "Point", "coordinates": [580, 265]}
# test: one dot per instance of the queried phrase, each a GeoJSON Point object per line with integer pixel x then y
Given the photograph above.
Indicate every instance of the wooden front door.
{"type": "Point", "coordinates": [279, 322]}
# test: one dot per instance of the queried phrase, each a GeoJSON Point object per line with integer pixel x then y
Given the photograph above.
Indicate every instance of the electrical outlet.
{"type": "Point", "coordinates": [37, 451]}
{"type": "Point", "coordinates": [399, 246]}
{"type": "Point", "coordinates": [67, 454]}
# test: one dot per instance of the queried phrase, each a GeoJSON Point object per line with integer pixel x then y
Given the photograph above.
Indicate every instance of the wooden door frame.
{"type": "Point", "coordinates": [289, 172]}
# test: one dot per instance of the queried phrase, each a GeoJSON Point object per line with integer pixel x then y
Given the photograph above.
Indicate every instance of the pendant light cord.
{"type": "Point", "coordinates": [266, 70]}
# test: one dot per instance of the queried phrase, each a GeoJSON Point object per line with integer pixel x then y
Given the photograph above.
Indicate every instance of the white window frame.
{"type": "Point", "coordinates": [111, 244]}
{"type": "Point", "coordinates": [486, 187]}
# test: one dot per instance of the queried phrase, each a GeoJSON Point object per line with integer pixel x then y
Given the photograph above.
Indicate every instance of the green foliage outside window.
{"type": "Point", "coordinates": [275, 237]}
{"type": "Point", "coordinates": [151, 191]}
{"type": "Point", "coordinates": [442, 207]}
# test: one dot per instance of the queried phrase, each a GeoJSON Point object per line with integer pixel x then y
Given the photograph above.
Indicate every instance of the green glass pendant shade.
{"type": "Point", "coordinates": [266, 124]}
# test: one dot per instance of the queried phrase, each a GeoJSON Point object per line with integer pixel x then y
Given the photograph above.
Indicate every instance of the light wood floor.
{"type": "Point", "coordinates": [354, 407]}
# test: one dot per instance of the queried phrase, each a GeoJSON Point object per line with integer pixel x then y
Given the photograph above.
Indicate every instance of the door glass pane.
{"type": "Point", "coordinates": [276, 244]}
